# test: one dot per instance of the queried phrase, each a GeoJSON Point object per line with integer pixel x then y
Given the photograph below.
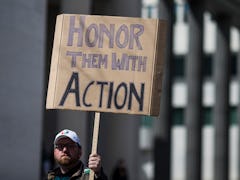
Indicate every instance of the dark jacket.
{"type": "Point", "coordinates": [77, 173]}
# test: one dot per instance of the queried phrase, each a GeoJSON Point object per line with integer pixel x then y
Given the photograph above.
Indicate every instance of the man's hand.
{"type": "Point", "coordinates": [94, 163]}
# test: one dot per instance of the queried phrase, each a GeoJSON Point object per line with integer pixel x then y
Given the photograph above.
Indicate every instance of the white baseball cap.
{"type": "Point", "coordinates": [67, 133]}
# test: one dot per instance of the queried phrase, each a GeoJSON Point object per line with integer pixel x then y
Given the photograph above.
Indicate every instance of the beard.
{"type": "Point", "coordinates": [66, 160]}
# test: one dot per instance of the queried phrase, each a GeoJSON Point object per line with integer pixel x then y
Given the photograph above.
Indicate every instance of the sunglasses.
{"type": "Point", "coordinates": [61, 146]}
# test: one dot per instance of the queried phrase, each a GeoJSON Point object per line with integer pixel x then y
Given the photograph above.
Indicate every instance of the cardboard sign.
{"type": "Point", "coordinates": [107, 64]}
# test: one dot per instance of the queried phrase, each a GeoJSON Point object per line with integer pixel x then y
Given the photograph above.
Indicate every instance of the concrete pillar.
{"type": "Point", "coordinates": [119, 140]}
{"type": "Point", "coordinates": [221, 108]}
{"type": "Point", "coordinates": [56, 120]}
{"type": "Point", "coordinates": [21, 77]}
{"type": "Point", "coordinates": [238, 112]}
{"type": "Point", "coordinates": [76, 7]}
{"type": "Point", "coordinates": [194, 96]}
{"type": "Point", "coordinates": [162, 149]}
{"type": "Point", "coordinates": [119, 133]}
{"type": "Point", "coordinates": [76, 120]}
{"type": "Point", "coordinates": [117, 8]}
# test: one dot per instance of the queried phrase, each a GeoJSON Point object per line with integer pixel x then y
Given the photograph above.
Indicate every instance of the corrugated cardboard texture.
{"type": "Point", "coordinates": [107, 64]}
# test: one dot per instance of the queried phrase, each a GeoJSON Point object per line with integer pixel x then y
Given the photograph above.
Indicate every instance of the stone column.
{"type": "Point", "coordinates": [119, 133]}
{"type": "Point", "coordinates": [76, 7]}
{"type": "Point", "coordinates": [221, 107]}
{"type": "Point", "coordinates": [162, 148]}
{"type": "Point", "coordinates": [238, 112]}
{"type": "Point", "coordinates": [76, 120]}
{"type": "Point", "coordinates": [22, 63]}
{"type": "Point", "coordinates": [193, 110]}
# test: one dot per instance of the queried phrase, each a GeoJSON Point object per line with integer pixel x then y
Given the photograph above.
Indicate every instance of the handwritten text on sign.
{"type": "Point", "coordinates": [104, 64]}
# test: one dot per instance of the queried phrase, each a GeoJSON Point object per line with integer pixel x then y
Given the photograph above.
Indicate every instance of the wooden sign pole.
{"type": "Point", "coordinates": [95, 139]}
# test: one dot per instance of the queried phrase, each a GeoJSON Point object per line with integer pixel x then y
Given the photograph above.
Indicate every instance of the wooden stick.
{"type": "Point", "coordinates": [95, 139]}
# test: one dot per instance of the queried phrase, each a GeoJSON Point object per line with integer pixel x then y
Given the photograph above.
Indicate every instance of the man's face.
{"type": "Point", "coordinates": [66, 152]}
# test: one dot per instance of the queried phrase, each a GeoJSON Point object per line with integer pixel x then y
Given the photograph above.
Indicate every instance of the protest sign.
{"type": "Point", "coordinates": [107, 64]}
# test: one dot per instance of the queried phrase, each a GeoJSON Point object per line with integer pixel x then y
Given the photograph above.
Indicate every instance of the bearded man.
{"type": "Point", "coordinates": [67, 153]}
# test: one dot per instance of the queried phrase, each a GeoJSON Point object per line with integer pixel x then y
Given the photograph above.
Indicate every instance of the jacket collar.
{"type": "Point", "coordinates": [75, 172]}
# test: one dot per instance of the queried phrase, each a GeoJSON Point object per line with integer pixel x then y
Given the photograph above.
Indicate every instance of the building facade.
{"type": "Point", "coordinates": [196, 135]}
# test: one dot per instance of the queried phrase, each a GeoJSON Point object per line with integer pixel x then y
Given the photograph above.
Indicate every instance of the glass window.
{"type": "Point", "coordinates": [179, 64]}
{"type": "Point", "coordinates": [178, 116]}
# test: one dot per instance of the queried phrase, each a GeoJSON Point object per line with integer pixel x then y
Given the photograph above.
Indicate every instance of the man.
{"type": "Point", "coordinates": [67, 153]}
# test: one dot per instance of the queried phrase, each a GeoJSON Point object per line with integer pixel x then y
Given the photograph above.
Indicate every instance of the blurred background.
{"type": "Point", "coordinates": [196, 135]}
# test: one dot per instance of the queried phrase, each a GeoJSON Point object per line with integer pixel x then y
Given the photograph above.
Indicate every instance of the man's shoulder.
{"type": "Point", "coordinates": [77, 173]}
{"type": "Point", "coordinates": [53, 173]}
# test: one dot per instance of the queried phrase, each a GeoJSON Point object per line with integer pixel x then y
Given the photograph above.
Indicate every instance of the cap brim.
{"type": "Point", "coordinates": [62, 136]}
